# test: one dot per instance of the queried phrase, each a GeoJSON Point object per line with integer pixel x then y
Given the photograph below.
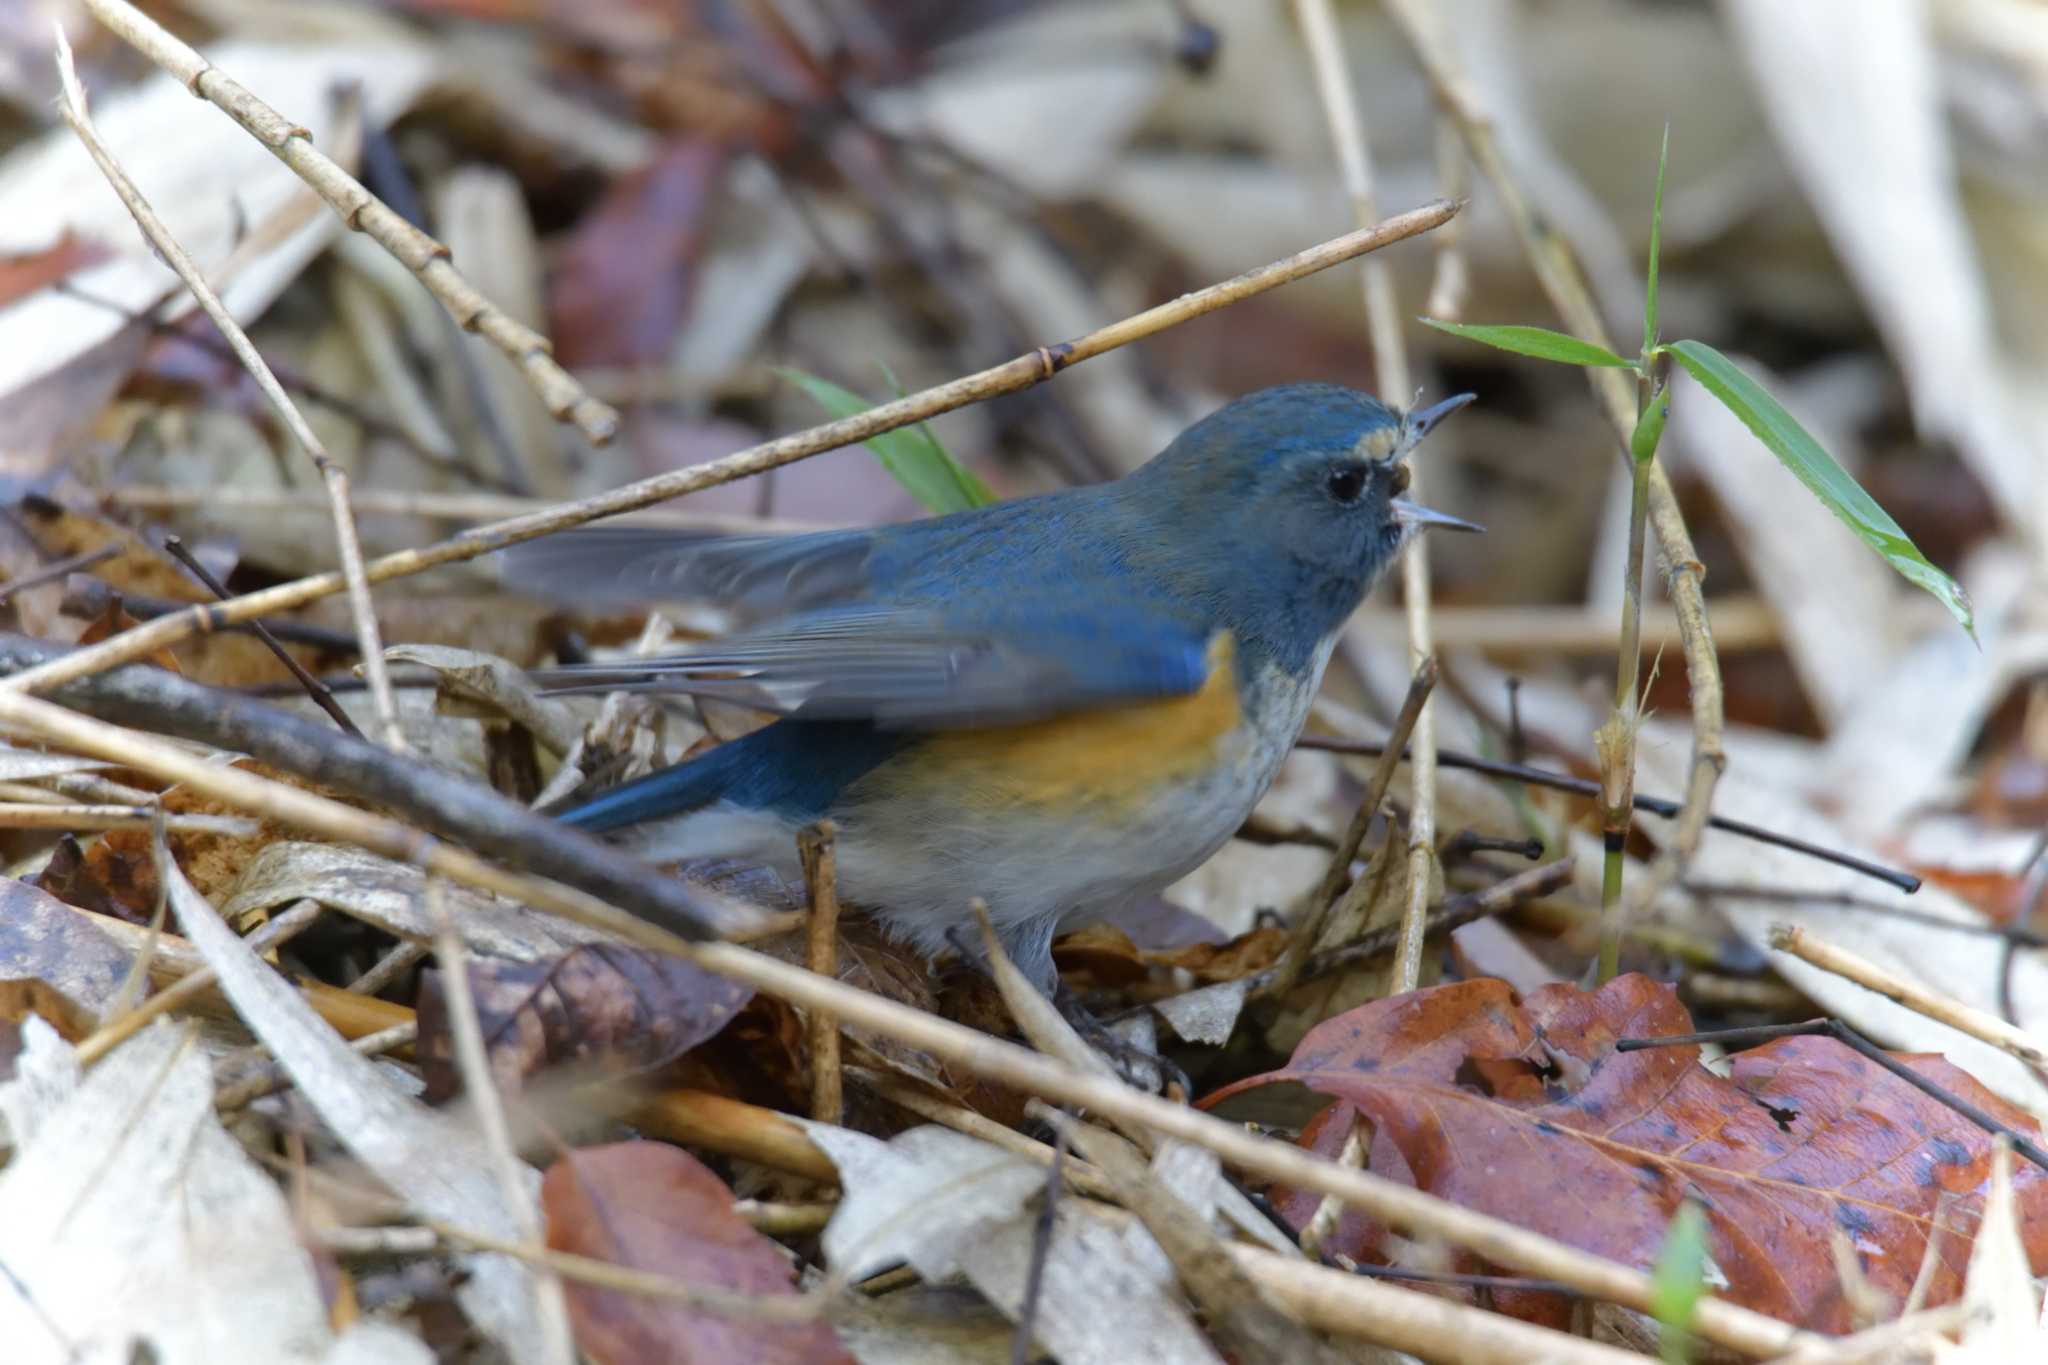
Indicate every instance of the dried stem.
{"type": "Point", "coordinates": [1022, 372]}
{"type": "Point", "coordinates": [73, 106]}
{"type": "Point", "coordinates": [815, 847]}
{"type": "Point", "coordinates": [1390, 361]}
{"type": "Point", "coordinates": [1983, 1026]}
{"type": "Point", "coordinates": [1309, 920]}
{"type": "Point", "coordinates": [364, 212]}
{"type": "Point", "coordinates": [472, 1060]}
{"type": "Point", "coordinates": [1564, 282]}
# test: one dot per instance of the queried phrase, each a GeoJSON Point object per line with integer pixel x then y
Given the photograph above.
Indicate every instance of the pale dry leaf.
{"type": "Point", "coordinates": [1207, 1015]}
{"type": "Point", "coordinates": [437, 1164]}
{"type": "Point", "coordinates": [391, 896]}
{"type": "Point", "coordinates": [949, 1204]}
{"type": "Point", "coordinates": [130, 1216]}
{"type": "Point", "coordinates": [1853, 94]}
{"type": "Point", "coordinates": [924, 1325]}
{"type": "Point", "coordinates": [498, 684]}
{"type": "Point", "coordinates": [1999, 1286]}
{"type": "Point", "coordinates": [213, 184]}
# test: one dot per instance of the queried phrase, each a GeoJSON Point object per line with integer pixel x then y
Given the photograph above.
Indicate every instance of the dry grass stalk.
{"type": "Point", "coordinates": [1318, 21]}
{"type": "Point", "coordinates": [1563, 281]}
{"type": "Point", "coordinates": [1984, 1027]}
{"type": "Point", "coordinates": [368, 640]}
{"type": "Point", "coordinates": [1033, 367]}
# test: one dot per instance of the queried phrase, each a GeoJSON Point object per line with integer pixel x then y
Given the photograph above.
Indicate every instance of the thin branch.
{"type": "Point", "coordinates": [473, 1061]}
{"type": "Point", "coordinates": [1655, 805]}
{"type": "Point", "coordinates": [1034, 367]}
{"type": "Point", "coordinates": [362, 211]}
{"type": "Point", "coordinates": [1308, 926]}
{"type": "Point", "coordinates": [1564, 283]}
{"type": "Point", "coordinates": [815, 848]}
{"type": "Point", "coordinates": [1986, 1028]}
{"type": "Point", "coordinates": [322, 695]}
{"type": "Point", "coordinates": [174, 255]}
{"type": "Point", "coordinates": [1318, 21]}
{"type": "Point", "coordinates": [61, 568]}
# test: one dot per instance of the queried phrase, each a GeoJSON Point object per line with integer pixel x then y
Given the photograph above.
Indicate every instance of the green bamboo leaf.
{"type": "Point", "coordinates": [1815, 468]}
{"type": "Point", "coordinates": [1679, 1280]}
{"type": "Point", "coordinates": [1656, 244]}
{"type": "Point", "coordinates": [912, 455]}
{"type": "Point", "coordinates": [1539, 342]}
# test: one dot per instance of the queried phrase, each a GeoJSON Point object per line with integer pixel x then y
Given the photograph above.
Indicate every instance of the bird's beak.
{"type": "Point", "coordinates": [1421, 423]}
{"type": "Point", "coordinates": [1414, 515]}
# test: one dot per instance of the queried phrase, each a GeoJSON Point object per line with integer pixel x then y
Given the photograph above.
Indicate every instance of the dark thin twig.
{"type": "Point", "coordinates": [90, 599]}
{"type": "Point", "coordinates": [1447, 1277]}
{"type": "Point", "coordinates": [61, 568]}
{"type": "Point", "coordinates": [317, 690]}
{"type": "Point", "coordinates": [1849, 1038]}
{"type": "Point", "coordinates": [1041, 1250]}
{"type": "Point", "coordinates": [1655, 805]}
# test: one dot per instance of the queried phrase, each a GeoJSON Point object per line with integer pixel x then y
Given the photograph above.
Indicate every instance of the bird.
{"type": "Point", "coordinates": [1051, 705]}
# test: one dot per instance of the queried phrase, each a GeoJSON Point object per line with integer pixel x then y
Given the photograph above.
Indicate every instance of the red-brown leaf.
{"type": "Point", "coordinates": [624, 284]}
{"type": "Point", "coordinates": [658, 1209]}
{"type": "Point", "coordinates": [1525, 1111]}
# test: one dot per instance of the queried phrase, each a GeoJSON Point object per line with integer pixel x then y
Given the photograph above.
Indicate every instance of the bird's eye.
{"type": "Point", "coordinates": [1346, 483]}
{"type": "Point", "coordinates": [1399, 483]}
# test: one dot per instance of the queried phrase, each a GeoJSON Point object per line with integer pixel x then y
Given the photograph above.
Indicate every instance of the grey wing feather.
{"type": "Point", "coordinates": [757, 576]}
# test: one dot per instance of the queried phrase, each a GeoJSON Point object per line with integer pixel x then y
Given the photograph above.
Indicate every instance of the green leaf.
{"type": "Point", "coordinates": [1815, 468]}
{"type": "Point", "coordinates": [1679, 1280]}
{"type": "Point", "coordinates": [1539, 342]}
{"type": "Point", "coordinates": [1642, 442]}
{"type": "Point", "coordinates": [1656, 244]}
{"type": "Point", "coordinates": [913, 455]}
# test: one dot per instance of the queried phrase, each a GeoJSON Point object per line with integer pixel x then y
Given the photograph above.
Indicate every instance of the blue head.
{"type": "Point", "coordinates": [1285, 506]}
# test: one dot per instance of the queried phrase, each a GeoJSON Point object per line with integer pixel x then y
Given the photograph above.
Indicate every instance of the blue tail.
{"type": "Point", "coordinates": [793, 768]}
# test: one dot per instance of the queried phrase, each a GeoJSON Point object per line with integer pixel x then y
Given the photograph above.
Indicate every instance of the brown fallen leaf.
{"type": "Point", "coordinates": [1524, 1110]}
{"type": "Point", "coordinates": [597, 1003]}
{"type": "Point", "coordinates": [658, 1209]}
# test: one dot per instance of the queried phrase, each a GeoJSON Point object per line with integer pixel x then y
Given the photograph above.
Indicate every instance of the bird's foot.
{"type": "Point", "coordinates": [1138, 1063]}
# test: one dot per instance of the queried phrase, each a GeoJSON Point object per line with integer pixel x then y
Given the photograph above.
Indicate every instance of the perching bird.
{"type": "Point", "coordinates": [1055, 704]}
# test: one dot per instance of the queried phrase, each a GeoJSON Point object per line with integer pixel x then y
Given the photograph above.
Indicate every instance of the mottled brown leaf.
{"type": "Point", "coordinates": [658, 1209]}
{"type": "Point", "coordinates": [599, 1003]}
{"type": "Point", "coordinates": [1524, 1110]}
{"type": "Point", "coordinates": [24, 272]}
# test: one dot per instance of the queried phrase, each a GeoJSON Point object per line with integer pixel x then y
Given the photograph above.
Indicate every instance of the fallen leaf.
{"type": "Point", "coordinates": [1525, 1111]}
{"type": "Point", "coordinates": [656, 1208]}
{"type": "Point", "coordinates": [602, 1003]}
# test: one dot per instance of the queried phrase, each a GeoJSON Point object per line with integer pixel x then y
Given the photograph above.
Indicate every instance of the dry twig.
{"type": "Point", "coordinates": [815, 847]}
{"type": "Point", "coordinates": [333, 475]}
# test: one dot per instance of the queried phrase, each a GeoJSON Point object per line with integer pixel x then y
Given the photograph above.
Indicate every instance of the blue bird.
{"type": "Point", "coordinates": [1056, 704]}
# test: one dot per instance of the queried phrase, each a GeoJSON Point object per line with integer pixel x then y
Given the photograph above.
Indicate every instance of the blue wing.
{"type": "Point", "coordinates": [942, 623]}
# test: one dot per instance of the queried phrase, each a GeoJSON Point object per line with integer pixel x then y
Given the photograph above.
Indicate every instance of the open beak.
{"type": "Point", "coordinates": [1420, 424]}
{"type": "Point", "coordinates": [1415, 515]}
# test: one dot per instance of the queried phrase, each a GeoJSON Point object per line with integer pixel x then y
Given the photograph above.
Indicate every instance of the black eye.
{"type": "Point", "coordinates": [1346, 483]}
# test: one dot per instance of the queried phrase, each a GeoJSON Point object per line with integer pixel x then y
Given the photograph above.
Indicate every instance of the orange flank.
{"type": "Point", "coordinates": [1117, 756]}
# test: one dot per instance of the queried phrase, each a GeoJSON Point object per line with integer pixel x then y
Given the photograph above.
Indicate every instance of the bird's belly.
{"type": "Point", "coordinates": [1070, 816]}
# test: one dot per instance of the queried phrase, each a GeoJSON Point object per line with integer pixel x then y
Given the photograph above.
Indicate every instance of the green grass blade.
{"type": "Point", "coordinates": [1815, 468]}
{"type": "Point", "coordinates": [1643, 441]}
{"type": "Point", "coordinates": [912, 455]}
{"type": "Point", "coordinates": [1540, 342]}
{"type": "Point", "coordinates": [1679, 1280]}
{"type": "Point", "coordinates": [1656, 245]}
